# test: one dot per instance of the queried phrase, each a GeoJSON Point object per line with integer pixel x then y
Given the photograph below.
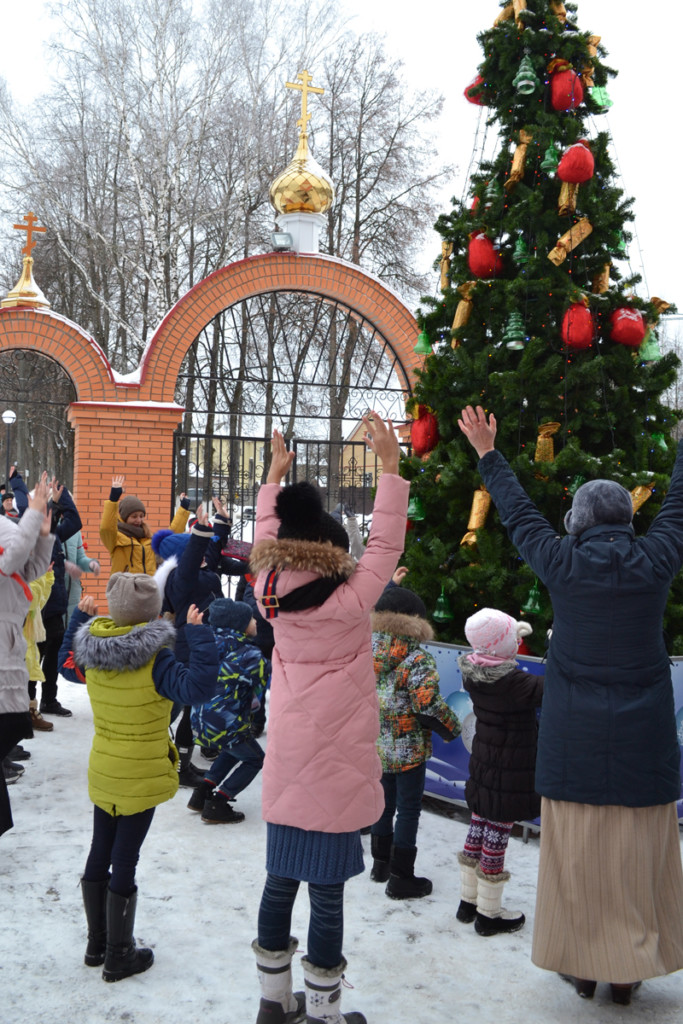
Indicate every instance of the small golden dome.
{"type": "Point", "coordinates": [303, 186]}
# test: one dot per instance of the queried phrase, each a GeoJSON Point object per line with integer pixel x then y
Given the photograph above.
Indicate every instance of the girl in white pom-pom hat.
{"type": "Point", "coordinates": [500, 789]}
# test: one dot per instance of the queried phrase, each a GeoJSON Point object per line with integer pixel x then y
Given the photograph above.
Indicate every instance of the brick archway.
{"type": "Point", "coordinates": [126, 424]}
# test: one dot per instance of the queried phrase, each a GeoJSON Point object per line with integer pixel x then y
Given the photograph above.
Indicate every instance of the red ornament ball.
{"type": "Point", "coordinates": [566, 90]}
{"type": "Point", "coordinates": [424, 431]}
{"type": "Point", "coordinates": [577, 326]}
{"type": "Point", "coordinates": [474, 92]}
{"type": "Point", "coordinates": [577, 164]}
{"type": "Point", "coordinates": [627, 326]}
{"type": "Point", "coordinates": [483, 257]}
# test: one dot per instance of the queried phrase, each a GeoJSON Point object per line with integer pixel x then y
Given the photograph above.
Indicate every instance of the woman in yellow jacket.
{"type": "Point", "coordinates": [126, 535]}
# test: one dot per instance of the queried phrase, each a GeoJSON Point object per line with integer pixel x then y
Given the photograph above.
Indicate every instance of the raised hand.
{"type": "Point", "coordinates": [202, 516]}
{"type": "Point", "coordinates": [41, 492]}
{"type": "Point", "coordinates": [480, 432]}
{"type": "Point", "coordinates": [281, 459]}
{"type": "Point", "coordinates": [118, 481]}
{"type": "Point", "coordinates": [381, 438]}
{"type": "Point", "coordinates": [194, 616]}
{"type": "Point", "coordinates": [87, 605]}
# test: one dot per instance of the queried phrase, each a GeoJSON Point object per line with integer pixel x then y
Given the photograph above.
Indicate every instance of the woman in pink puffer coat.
{"type": "Point", "coordinates": [321, 778]}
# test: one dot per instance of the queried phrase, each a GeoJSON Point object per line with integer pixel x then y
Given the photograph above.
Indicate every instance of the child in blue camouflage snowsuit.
{"type": "Point", "coordinates": [225, 720]}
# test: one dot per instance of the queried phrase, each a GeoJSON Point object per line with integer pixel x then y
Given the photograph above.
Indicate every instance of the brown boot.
{"type": "Point", "coordinates": [39, 723]}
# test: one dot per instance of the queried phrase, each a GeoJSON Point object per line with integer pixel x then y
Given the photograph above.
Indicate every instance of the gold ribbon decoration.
{"type": "Point", "coordinates": [545, 446]}
{"type": "Point", "coordinates": [587, 72]}
{"type": "Point", "coordinates": [505, 15]}
{"type": "Point", "coordinates": [518, 6]}
{"type": "Point", "coordinates": [601, 280]}
{"type": "Point", "coordinates": [446, 253]}
{"type": "Point", "coordinates": [464, 308]}
{"type": "Point", "coordinates": [566, 204]}
{"type": "Point", "coordinates": [569, 241]}
{"type": "Point", "coordinates": [640, 494]}
{"type": "Point", "coordinates": [559, 10]}
{"type": "Point", "coordinates": [592, 46]}
{"type": "Point", "coordinates": [481, 503]}
{"type": "Point", "coordinates": [519, 159]}
{"type": "Point", "coordinates": [661, 305]}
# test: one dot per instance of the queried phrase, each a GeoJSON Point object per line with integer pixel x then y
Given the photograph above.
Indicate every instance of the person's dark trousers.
{"type": "Point", "coordinates": [403, 798]}
{"type": "Point", "coordinates": [14, 726]}
{"type": "Point", "coordinates": [245, 753]}
{"type": "Point", "coordinates": [325, 925]}
{"type": "Point", "coordinates": [49, 651]}
{"type": "Point", "coordinates": [116, 841]}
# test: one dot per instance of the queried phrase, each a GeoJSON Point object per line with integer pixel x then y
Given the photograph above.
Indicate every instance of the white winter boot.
{"type": "Point", "coordinates": [279, 1005]}
{"type": "Point", "coordinates": [467, 911]}
{"type": "Point", "coordinates": [492, 918]}
{"type": "Point", "coordinates": [323, 995]}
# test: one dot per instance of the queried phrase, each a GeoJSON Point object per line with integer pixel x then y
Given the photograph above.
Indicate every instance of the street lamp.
{"type": "Point", "coordinates": [8, 417]}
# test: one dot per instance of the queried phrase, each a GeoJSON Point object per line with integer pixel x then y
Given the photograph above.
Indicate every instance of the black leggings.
{"type": "Point", "coordinates": [116, 842]}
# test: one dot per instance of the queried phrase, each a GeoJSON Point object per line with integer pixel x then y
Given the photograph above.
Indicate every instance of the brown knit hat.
{"type": "Point", "coordinates": [133, 597]}
{"type": "Point", "coordinates": [130, 504]}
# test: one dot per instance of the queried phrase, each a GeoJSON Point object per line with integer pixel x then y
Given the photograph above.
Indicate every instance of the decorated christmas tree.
{"type": "Point", "coordinates": [537, 323]}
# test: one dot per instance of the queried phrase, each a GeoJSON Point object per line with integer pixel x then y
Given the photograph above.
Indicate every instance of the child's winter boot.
{"type": "Point", "coordinates": [95, 906]}
{"type": "Point", "coordinates": [122, 957]}
{"type": "Point", "coordinates": [467, 911]}
{"type": "Point", "coordinates": [279, 1005]}
{"type": "Point", "coordinates": [218, 810]}
{"type": "Point", "coordinates": [402, 884]}
{"type": "Point", "coordinates": [380, 847]}
{"type": "Point", "coordinates": [323, 995]}
{"type": "Point", "coordinates": [200, 794]}
{"type": "Point", "coordinates": [492, 918]}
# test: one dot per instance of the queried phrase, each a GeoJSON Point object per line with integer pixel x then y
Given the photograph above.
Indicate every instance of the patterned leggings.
{"type": "Point", "coordinates": [487, 842]}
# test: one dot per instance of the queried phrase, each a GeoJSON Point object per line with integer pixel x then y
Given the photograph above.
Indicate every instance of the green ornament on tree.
{"type": "Point", "coordinates": [442, 610]}
{"type": "Point", "coordinates": [525, 81]}
{"type": "Point", "coordinates": [532, 605]}
{"type": "Point", "coordinates": [550, 160]}
{"type": "Point", "coordinates": [515, 336]}
{"type": "Point", "coordinates": [601, 98]}
{"type": "Point", "coordinates": [649, 351]}
{"type": "Point", "coordinates": [659, 441]}
{"type": "Point", "coordinates": [575, 484]}
{"type": "Point", "coordinates": [618, 244]}
{"type": "Point", "coordinates": [424, 346]}
{"type": "Point", "coordinates": [520, 255]}
{"type": "Point", "coordinates": [416, 510]}
{"type": "Point", "coordinates": [492, 194]}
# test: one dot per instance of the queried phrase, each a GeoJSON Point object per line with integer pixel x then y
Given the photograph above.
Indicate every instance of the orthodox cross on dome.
{"type": "Point", "coordinates": [304, 86]}
{"type": "Point", "coordinates": [30, 227]}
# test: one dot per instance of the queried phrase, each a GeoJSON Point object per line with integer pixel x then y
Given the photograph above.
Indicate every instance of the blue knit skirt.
{"type": "Point", "coordinates": [326, 858]}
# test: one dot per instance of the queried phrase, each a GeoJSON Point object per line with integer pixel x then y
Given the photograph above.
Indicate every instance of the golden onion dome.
{"type": "Point", "coordinates": [303, 186]}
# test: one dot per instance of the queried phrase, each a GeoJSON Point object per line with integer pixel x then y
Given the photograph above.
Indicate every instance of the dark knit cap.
{"type": "Point", "coordinates": [8, 494]}
{"type": "Point", "coordinates": [166, 543]}
{"type": "Point", "coordinates": [401, 600]}
{"type": "Point", "coordinates": [132, 597]}
{"type": "Point", "coordinates": [596, 503]}
{"type": "Point", "coordinates": [227, 614]}
{"type": "Point", "coordinates": [130, 504]}
{"type": "Point", "coordinates": [299, 508]}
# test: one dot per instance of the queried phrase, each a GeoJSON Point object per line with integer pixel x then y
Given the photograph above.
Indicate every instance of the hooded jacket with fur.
{"type": "Point", "coordinates": [133, 679]}
{"type": "Point", "coordinates": [322, 771]}
{"type": "Point", "coordinates": [410, 702]}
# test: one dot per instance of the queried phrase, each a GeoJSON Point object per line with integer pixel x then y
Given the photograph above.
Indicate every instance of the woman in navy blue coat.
{"type": "Point", "coordinates": [610, 890]}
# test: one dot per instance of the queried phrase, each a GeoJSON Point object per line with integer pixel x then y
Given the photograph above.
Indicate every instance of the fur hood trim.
{"type": "Point", "coordinates": [163, 572]}
{"type": "Point", "coordinates": [322, 558]}
{"type": "Point", "coordinates": [102, 645]}
{"type": "Point", "coordinates": [398, 624]}
{"type": "Point", "coordinates": [484, 673]}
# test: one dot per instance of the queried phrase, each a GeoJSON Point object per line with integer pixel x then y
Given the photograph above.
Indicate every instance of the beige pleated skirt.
{"type": "Point", "coordinates": [609, 905]}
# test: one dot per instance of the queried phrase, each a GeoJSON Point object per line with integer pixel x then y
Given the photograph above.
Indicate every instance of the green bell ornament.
{"type": "Point", "coordinates": [416, 510]}
{"type": "Point", "coordinates": [442, 610]}
{"type": "Point", "coordinates": [525, 81]}
{"type": "Point", "coordinates": [550, 160]}
{"type": "Point", "coordinates": [649, 351]}
{"type": "Point", "coordinates": [601, 98]}
{"type": "Point", "coordinates": [520, 255]}
{"type": "Point", "coordinates": [424, 346]}
{"type": "Point", "coordinates": [659, 441]}
{"type": "Point", "coordinates": [532, 605]}
{"type": "Point", "coordinates": [515, 336]}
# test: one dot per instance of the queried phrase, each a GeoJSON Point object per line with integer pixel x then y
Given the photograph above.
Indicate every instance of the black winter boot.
{"type": "Point", "coordinates": [95, 905]}
{"type": "Point", "coordinates": [402, 884]}
{"type": "Point", "coordinates": [202, 793]}
{"type": "Point", "coordinates": [123, 958]}
{"type": "Point", "coordinates": [380, 847]}
{"type": "Point", "coordinates": [188, 775]}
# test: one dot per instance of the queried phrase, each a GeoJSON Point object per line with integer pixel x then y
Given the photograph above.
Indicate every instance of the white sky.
{"type": "Point", "coordinates": [437, 42]}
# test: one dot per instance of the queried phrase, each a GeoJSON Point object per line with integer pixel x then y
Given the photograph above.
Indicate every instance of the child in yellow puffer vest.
{"type": "Point", "coordinates": [34, 633]}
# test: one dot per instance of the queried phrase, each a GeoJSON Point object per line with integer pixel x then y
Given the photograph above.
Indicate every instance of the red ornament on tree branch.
{"type": "Point", "coordinates": [424, 431]}
{"type": "Point", "coordinates": [483, 256]}
{"type": "Point", "coordinates": [566, 90]}
{"type": "Point", "coordinates": [627, 326]}
{"type": "Point", "coordinates": [577, 164]}
{"type": "Point", "coordinates": [577, 326]}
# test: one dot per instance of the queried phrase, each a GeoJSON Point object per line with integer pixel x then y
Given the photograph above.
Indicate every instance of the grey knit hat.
{"type": "Point", "coordinates": [133, 597]}
{"type": "Point", "coordinates": [227, 614]}
{"type": "Point", "coordinates": [130, 504]}
{"type": "Point", "coordinates": [599, 502]}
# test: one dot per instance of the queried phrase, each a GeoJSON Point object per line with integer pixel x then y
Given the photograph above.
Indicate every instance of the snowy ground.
{"type": "Point", "coordinates": [199, 886]}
